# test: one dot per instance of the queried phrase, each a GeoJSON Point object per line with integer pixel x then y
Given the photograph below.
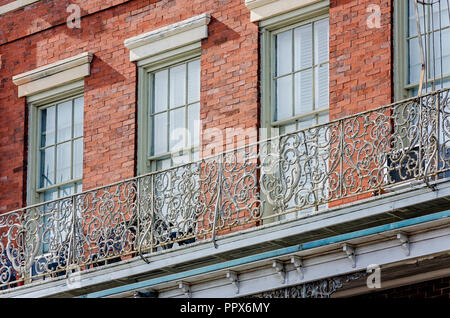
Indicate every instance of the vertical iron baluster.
{"type": "Point", "coordinates": [219, 198]}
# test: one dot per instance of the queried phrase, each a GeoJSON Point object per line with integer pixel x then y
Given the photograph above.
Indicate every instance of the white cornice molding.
{"type": "Point", "coordinates": [53, 75]}
{"type": "Point", "coordinates": [15, 5]}
{"type": "Point", "coordinates": [169, 37]}
{"type": "Point", "coordinates": [264, 9]}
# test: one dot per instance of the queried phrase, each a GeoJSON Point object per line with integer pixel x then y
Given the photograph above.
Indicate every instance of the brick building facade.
{"type": "Point", "coordinates": [233, 96]}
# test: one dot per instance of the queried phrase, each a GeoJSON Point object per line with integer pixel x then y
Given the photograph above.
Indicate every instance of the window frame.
{"type": "Point", "coordinates": [269, 29]}
{"type": "Point", "coordinates": [146, 162]}
{"type": "Point", "coordinates": [402, 89]}
{"type": "Point", "coordinates": [35, 104]}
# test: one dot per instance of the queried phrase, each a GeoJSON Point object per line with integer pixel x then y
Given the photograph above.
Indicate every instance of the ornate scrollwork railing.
{"type": "Point", "coordinates": [325, 165]}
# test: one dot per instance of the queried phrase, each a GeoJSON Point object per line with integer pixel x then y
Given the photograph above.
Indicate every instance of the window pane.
{"type": "Point", "coordinates": [303, 92]}
{"type": "Point", "coordinates": [51, 195]}
{"type": "Point", "coordinates": [77, 158]}
{"type": "Point", "coordinates": [323, 118]}
{"type": "Point", "coordinates": [78, 117]}
{"type": "Point", "coordinates": [321, 41]}
{"type": "Point", "coordinates": [159, 123]}
{"type": "Point", "coordinates": [177, 129]}
{"type": "Point", "coordinates": [66, 190]}
{"type": "Point", "coordinates": [303, 47]}
{"type": "Point", "coordinates": [178, 86]}
{"type": "Point", "coordinates": [414, 61]}
{"type": "Point", "coordinates": [307, 122]}
{"type": "Point", "coordinates": [194, 125]}
{"type": "Point", "coordinates": [63, 153]}
{"type": "Point", "coordinates": [64, 121]}
{"type": "Point", "coordinates": [445, 52]}
{"type": "Point", "coordinates": [47, 177]}
{"type": "Point", "coordinates": [163, 164]}
{"type": "Point", "coordinates": [48, 126]}
{"type": "Point", "coordinates": [440, 12]}
{"type": "Point", "coordinates": [284, 53]}
{"type": "Point", "coordinates": [283, 108]}
{"type": "Point", "coordinates": [79, 186]}
{"type": "Point", "coordinates": [322, 86]}
{"type": "Point", "coordinates": [160, 90]}
{"type": "Point", "coordinates": [288, 128]}
{"type": "Point", "coordinates": [194, 81]}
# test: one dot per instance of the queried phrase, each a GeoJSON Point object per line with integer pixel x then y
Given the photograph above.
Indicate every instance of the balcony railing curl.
{"type": "Point", "coordinates": [293, 174]}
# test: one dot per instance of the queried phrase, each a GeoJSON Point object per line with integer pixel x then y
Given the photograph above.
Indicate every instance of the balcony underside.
{"type": "Point", "coordinates": [309, 234]}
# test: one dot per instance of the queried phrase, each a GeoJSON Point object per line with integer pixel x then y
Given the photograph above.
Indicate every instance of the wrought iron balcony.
{"type": "Point", "coordinates": [295, 175]}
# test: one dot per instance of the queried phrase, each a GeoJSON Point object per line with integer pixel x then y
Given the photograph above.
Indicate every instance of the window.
{"type": "Point", "coordinates": [174, 114]}
{"type": "Point", "coordinates": [168, 61]}
{"type": "Point", "coordinates": [60, 148]}
{"type": "Point", "coordinates": [299, 77]}
{"type": "Point", "coordinates": [295, 93]}
{"type": "Point", "coordinates": [435, 30]}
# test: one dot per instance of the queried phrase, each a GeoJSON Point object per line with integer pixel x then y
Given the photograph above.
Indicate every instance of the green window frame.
{"type": "Point", "coordinates": [406, 50]}
{"type": "Point", "coordinates": [153, 116]}
{"type": "Point", "coordinates": [70, 140]}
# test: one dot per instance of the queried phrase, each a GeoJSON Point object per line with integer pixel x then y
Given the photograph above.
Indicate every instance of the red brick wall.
{"type": "Point", "coordinates": [438, 288]}
{"type": "Point", "coordinates": [38, 36]}
{"type": "Point", "coordinates": [360, 57]}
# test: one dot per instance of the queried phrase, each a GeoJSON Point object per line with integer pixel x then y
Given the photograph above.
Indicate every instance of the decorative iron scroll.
{"type": "Point", "coordinates": [246, 187]}
{"type": "Point", "coordinates": [319, 289]}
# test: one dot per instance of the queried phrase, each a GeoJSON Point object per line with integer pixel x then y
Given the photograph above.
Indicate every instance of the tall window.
{"type": "Point", "coordinates": [435, 30]}
{"type": "Point", "coordinates": [60, 149]}
{"type": "Point", "coordinates": [300, 79]}
{"type": "Point", "coordinates": [174, 114]}
{"type": "Point", "coordinates": [296, 97]}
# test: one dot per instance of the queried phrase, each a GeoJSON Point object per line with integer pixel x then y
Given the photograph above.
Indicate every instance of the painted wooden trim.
{"type": "Point", "coordinates": [15, 5]}
{"type": "Point", "coordinates": [168, 38]}
{"type": "Point", "coordinates": [263, 9]}
{"type": "Point", "coordinates": [53, 75]}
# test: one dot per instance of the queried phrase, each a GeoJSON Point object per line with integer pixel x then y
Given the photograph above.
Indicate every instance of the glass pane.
{"type": "Point", "coordinates": [178, 86]}
{"type": "Point", "coordinates": [321, 41]}
{"type": "Point", "coordinates": [194, 81]}
{"type": "Point", "coordinates": [307, 122]}
{"type": "Point", "coordinates": [303, 92]}
{"type": "Point", "coordinates": [440, 14]}
{"type": "Point", "coordinates": [48, 126]}
{"type": "Point", "coordinates": [412, 18]}
{"type": "Point", "coordinates": [414, 61]}
{"type": "Point", "coordinates": [64, 121]}
{"type": "Point", "coordinates": [303, 47]}
{"type": "Point", "coordinates": [323, 118]}
{"type": "Point", "coordinates": [63, 153]}
{"type": "Point", "coordinates": [284, 53]}
{"type": "Point", "coordinates": [79, 187]}
{"type": "Point", "coordinates": [47, 175]}
{"type": "Point", "coordinates": [283, 107]}
{"type": "Point", "coordinates": [288, 128]}
{"type": "Point", "coordinates": [159, 134]}
{"type": "Point", "coordinates": [160, 90]}
{"type": "Point", "coordinates": [445, 53]}
{"type": "Point", "coordinates": [194, 125]}
{"type": "Point", "coordinates": [78, 117]}
{"type": "Point", "coordinates": [163, 164]}
{"type": "Point", "coordinates": [322, 86]}
{"type": "Point", "coordinates": [177, 129]}
{"type": "Point", "coordinates": [66, 190]}
{"type": "Point", "coordinates": [195, 155]}
{"type": "Point", "coordinates": [50, 195]}
{"type": "Point", "coordinates": [77, 158]}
